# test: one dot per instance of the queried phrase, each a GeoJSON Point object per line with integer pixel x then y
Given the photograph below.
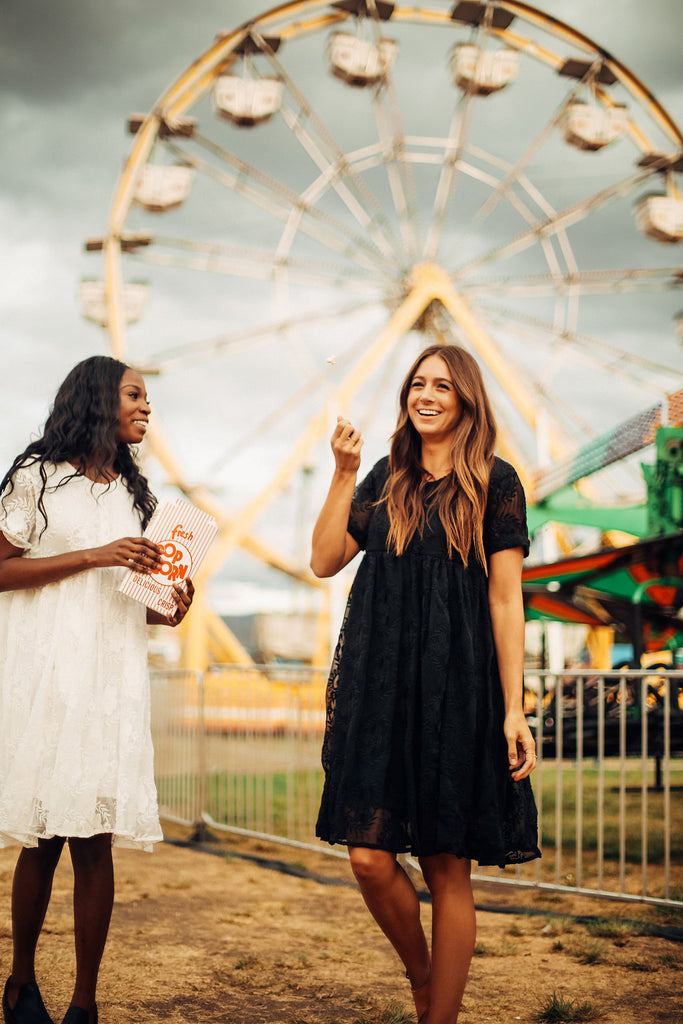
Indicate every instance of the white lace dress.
{"type": "Point", "coordinates": [76, 754]}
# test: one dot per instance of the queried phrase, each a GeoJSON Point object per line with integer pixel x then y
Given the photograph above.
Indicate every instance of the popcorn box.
{"type": "Point", "coordinates": [184, 534]}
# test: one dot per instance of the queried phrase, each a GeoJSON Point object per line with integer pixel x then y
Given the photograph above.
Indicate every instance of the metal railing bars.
{"type": "Point", "coordinates": [238, 749]}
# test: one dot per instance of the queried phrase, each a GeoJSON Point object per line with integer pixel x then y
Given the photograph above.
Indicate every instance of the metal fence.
{"type": "Point", "coordinates": [239, 749]}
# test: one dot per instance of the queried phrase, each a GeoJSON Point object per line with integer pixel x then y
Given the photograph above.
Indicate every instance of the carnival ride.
{"type": "Point", "coordinates": [636, 587]}
{"type": "Point", "coordinates": [341, 183]}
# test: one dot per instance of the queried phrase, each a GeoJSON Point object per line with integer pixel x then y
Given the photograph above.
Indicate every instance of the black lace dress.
{"type": "Point", "coordinates": [414, 753]}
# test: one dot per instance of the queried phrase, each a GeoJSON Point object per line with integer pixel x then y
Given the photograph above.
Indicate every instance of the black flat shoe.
{"type": "Point", "coordinates": [29, 1007]}
{"type": "Point", "coordinates": [75, 1015]}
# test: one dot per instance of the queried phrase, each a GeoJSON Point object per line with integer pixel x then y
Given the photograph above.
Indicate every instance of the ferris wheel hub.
{"type": "Point", "coordinates": [429, 276]}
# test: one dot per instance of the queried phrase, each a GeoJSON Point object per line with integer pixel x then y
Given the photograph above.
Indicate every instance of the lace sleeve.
{"type": "Point", "coordinates": [366, 494]}
{"type": "Point", "coordinates": [18, 508]}
{"type": "Point", "coordinates": [505, 516]}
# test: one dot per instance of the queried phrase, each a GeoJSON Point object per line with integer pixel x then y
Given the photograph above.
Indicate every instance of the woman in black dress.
{"type": "Point", "coordinates": [426, 746]}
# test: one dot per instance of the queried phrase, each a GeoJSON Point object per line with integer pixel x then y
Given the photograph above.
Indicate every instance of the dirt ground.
{"type": "Point", "coordinates": [246, 932]}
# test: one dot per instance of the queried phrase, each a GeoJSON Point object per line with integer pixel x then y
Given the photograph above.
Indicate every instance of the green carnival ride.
{"type": "Point", "coordinates": [637, 588]}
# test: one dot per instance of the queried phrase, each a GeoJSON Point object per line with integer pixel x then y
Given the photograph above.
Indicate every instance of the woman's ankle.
{"type": "Point", "coordinates": [420, 992]}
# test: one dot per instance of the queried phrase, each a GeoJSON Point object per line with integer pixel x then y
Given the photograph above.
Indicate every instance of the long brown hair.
{"type": "Point", "coordinates": [460, 497]}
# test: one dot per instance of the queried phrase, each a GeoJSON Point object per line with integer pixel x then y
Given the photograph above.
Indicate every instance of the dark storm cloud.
{"type": "Point", "coordinates": [57, 52]}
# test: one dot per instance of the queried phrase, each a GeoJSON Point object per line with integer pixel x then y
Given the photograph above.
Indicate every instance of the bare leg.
{"type": "Point", "coordinates": [93, 901]}
{"type": "Point", "coordinates": [31, 890]}
{"type": "Point", "coordinates": [453, 933]}
{"type": "Point", "coordinates": [391, 899]}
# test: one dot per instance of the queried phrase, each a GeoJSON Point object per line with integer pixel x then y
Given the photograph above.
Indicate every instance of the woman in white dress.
{"type": "Point", "coordinates": [76, 759]}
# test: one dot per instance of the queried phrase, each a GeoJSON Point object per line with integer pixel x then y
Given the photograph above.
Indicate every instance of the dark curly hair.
{"type": "Point", "coordinates": [81, 428]}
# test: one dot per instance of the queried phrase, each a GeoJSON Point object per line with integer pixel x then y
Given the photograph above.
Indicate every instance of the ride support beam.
{"type": "Point", "coordinates": [443, 290]}
{"type": "Point", "coordinates": [402, 321]}
{"type": "Point", "coordinates": [202, 498]}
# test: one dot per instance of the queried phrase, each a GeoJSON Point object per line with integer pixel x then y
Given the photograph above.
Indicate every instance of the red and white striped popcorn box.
{"type": "Point", "coordinates": [184, 534]}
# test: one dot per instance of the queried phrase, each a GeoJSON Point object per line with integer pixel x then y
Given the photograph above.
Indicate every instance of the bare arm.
{"type": "Point", "coordinates": [333, 547]}
{"type": "Point", "coordinates": [20, 573]}
{"type": "Point", "coordinates": [507, 619]}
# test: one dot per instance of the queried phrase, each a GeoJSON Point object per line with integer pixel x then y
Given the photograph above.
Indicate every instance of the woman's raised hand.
{"type": "Point", "coordinates": [332, 546]}
{"type": "Point", "coordinates": [346, 445]}
{"type": "Point", "coordinates": [137, 553]}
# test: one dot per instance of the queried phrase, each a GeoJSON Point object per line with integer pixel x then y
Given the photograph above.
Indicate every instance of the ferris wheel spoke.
{"type": "Point", "coordinates": [366, 420]}
{"type": "Point", "coordinates": [371, 357]}
{"type": "Point", "coordinates": [493, 180]}
{"type": "Point", "coordinates": [319, 383]}
{"type": "Point", "coordinates": [399, 171]}
{"type": "Point", "coordinates": [455, 146]}
{"type": "Point", "coordinates": [457, 140]}
{"type": "Point", "coordinates": [508, 445]}
{"type": "Point", "coordinates": [536, 395]}
{"type": "Point", "coordinates": [282, 203]}
{"type": "Point", "coordinates": [249, 263]}
{"type": "Point", "coordinates": [586, 282]}
{"type": "Point", "coordinates": [514, 175]}
{"type": "Point", "coordinates": [518, 385]}
{"type": "Point", "coordinates": [523, 208]}
{"type": "Point", "coordinates": [178, 356]}
{"type": "Point", "coordinates": [577, 425]}
{"type": "Point", "coordinates": [329, 157]}
{"type": "Point", "coordinates": [565, 218]}
{"type": "Point", "coordinates": [601, 355]}
{"type": "Point", "coordinates": [440, 327]}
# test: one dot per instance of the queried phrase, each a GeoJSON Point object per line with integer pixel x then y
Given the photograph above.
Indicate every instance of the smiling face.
{"type": "Point", "coordinates": [433, 404]}
{"type": "Point", "coordinates": [134, 411]}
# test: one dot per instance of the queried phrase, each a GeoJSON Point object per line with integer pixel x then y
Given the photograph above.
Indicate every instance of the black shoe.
{"type": "Point", "coordinates": [75, 1015]}
{"type": "Point", "coordinates": [29, 1007]}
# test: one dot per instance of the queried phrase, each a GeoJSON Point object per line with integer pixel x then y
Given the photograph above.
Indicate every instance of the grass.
{"type": "Point", "coordinates": [587, 951]}
{"type": "Point", "coordinates": [502, 949]}
{"type": "Point", "coordinates": [612, 799]}
{"type": "Point", "coordinates": [558, 1010]}
{"type": "Point", "coordinates": [672, 917]}
{"type": "Point", "coordinates": [246, 963]}
{"type": "Point", "coordinates": [516, 931]}
{"type": "Point", "coordinates": [611, 928]}
{"type": "Point", "coordinates": [558, 925]}
{"type": "Point", "coordinates": [307, 1018]}
{"type": "Point", "coordinates": [641, 966]}
{"type": "Point", "coordinates": [388, 1013]}
{"type": "Point", "coordinates": [273, 803]}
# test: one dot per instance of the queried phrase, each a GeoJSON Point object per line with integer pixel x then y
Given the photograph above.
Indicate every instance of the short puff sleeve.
{"type": "Point", "coordinates": [18, 509]}
{"type": "Point", "coordinates": [505, 517]}
{"type": "Point", "coordinates": [365, 497]}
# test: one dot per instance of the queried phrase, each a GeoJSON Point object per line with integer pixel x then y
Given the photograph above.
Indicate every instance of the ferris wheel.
{"type": "Point", "coordinates": [331, 186]}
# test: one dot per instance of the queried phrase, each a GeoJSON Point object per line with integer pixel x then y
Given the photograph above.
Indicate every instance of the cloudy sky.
{"type": "Point", "coordinates": [70, 74]}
